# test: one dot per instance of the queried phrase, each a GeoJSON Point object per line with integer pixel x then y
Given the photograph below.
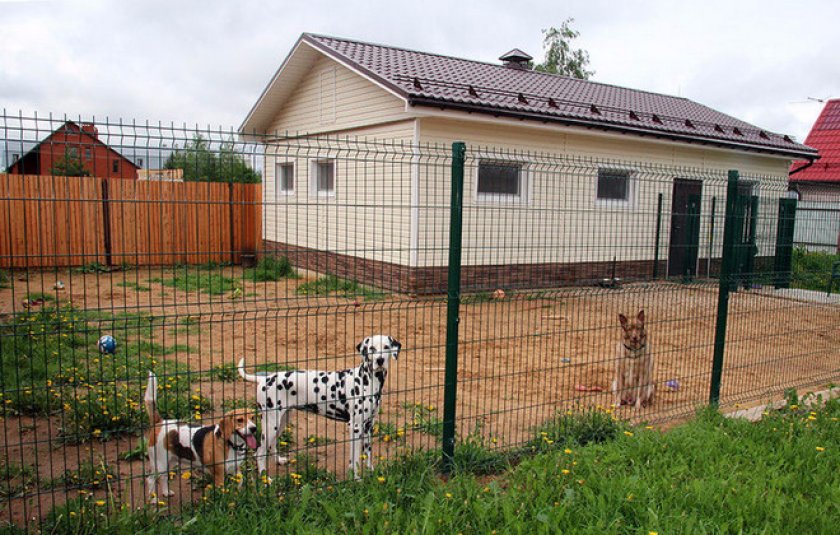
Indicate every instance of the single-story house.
{"type": "Point", "coordinates": [817, 185]}
{"type": "Point", "coordinates": [79, 142]}
{"type": "Point", "coordinates": [564, 181]}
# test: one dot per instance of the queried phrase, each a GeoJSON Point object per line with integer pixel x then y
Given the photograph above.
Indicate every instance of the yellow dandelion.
{"type": "Point", "coordinates": [186, 475]}
{"type": "Point", "coordinates": [567, 451]}
{"type": "Point", "coordinates": [380, 479]}
{"type": "Point", "coordinates": [628, 433]}
{"type": "Point", "coordinates": [99, 503]}
{"type": "Point", "coordinates": [820, 448]}
{"type": "Point", "coordinates": [566, 471]}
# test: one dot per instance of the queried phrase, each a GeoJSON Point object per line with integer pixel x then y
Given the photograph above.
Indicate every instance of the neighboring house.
{"type": "Point", "coordinates": [359, 212]}
{"type": "Point", "coordinates": [817, 185]}
{"type": "Point", "coordinates": [78, 141]}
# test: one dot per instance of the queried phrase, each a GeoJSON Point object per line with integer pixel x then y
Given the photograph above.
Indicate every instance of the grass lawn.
{"type": "Point", "coordinates": [713, 475]}
{"type": "Point", "coordinates": [811, 270]}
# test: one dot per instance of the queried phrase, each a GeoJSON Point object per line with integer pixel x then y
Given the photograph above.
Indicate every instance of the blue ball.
{"type": "Point", "coordinates": [107, 344]}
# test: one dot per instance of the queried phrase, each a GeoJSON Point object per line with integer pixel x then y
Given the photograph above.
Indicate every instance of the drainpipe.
{"type": "Point", "coordinates": [806, 166]}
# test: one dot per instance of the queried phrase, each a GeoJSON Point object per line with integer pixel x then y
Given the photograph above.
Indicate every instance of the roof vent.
{"type": "Point", "coordinates": [521, 98]}
{"type": "Point", "coordinates": [689, 124]}
{"type": "Point", "coordinates": [516, 59]}
{"type": "Point", "coordinates": [594, 109]}
{"type": "Point", "coordinates": [737, 131]}
{"type": "Point", "coordinates": [634, 115]}
{"type": "Point", "coordinates": [655, 118]}
{"type": "Point", "coordinates": [787, 138]}
{"type": "Point", "coordinates": [473, 93]}
{"type": "Point", "coordinates": [417, 84]}
{"type": "Point", "coordinates": [763, 135]}
{"type": "Point", "coordinates": [718, 128]}
{"type": "Point", "coordinates": [551, 103]}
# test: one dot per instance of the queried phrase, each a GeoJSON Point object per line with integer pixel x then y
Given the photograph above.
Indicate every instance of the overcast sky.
{"type": "Point", "coordinates": [207, 61]}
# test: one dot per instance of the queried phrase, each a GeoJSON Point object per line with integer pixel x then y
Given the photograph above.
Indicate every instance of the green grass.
{"type": "Point", "coordinates": [40, 296]}
{"type": "Point", "coordinates": [93, 267]}
{"type": "Point", "coordinates": [198, 280]}
{"type": "Point", "coordinates": [17, 479]}
{"type": "Point", "coordinates": [5, 279]}
{"type": "Point", "coordinates": [713, 475]}
{"type": "Point", "coordinates": [49, 363]}
{"type": "Point", "coordinates": [332, 285]}
{"type": "Point", "coordinates": [811, 271]}
{"type": "Point", "coordinates": [134, 286]}
{"type": "Point", "coordinates": [270, 269]}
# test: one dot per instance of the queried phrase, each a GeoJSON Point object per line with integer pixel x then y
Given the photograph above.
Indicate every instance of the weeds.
{"type": "Point", "coordinates": [198, 281]}
{"type": "Point", "coordinates": [811, 270]}
{"type": "Point", "coordinates": [332, 285]}
{"type": "Point", "coordinates": [134, 286]}
{"type": "Point", "coordinates": [270, 269]}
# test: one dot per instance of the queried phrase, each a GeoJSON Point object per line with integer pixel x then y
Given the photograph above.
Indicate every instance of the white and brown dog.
{"type": "Point", "coordinates": [633, 383]}
{"type": "Point", "coordinates": [352, 396]}
{"type": "Point", "coordinates": [219, 447]}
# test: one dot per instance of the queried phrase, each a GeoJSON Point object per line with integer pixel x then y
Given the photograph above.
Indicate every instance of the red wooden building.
{"type": "Point", "coordinates": [76, 141]}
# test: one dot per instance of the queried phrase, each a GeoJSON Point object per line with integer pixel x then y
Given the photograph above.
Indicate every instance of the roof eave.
{"type": "Point", "coordinates": [571, 121]}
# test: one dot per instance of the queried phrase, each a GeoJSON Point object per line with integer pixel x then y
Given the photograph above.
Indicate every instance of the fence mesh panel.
{"type": "Point", "coordinates": [196, 247]}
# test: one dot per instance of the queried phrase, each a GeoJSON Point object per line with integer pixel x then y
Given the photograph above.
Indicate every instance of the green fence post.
{"type": "Point", "coordinates": [784, 242]}
{"type": "Point", "coordinates": [729, 253]}
{"type": "Point", "coordinates": [453, 302]}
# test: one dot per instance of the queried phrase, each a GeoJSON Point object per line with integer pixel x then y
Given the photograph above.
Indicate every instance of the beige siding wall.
{"type": "Point", "coordinates": [368, 216]}
{"type": "Point", "coordinates": [332, 98]}
{"type": "Point", "coordinates": [558, 217]}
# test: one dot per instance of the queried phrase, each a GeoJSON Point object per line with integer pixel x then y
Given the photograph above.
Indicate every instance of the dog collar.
{"type": "Point", "coordinates": [637, 350]}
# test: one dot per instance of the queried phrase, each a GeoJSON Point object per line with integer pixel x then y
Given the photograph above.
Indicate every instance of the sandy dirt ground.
{"type": "Point", "coordinates": [522, 360]}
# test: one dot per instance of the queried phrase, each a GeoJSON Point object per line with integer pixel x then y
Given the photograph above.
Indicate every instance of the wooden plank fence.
{"type": "Point", "coordinates": [49, 221]}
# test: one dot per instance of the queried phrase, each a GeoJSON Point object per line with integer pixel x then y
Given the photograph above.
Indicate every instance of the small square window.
{"type": "Point", "coordinates": [613, 185]}
{"type": "Point", "coordinates": [324, 177]}
{"type": "Point", "coordinates": [87, 154]}
{"type": "Point", "coordinates": [286, 178]}
{"type": "Point", "coordinates": [499, 178]}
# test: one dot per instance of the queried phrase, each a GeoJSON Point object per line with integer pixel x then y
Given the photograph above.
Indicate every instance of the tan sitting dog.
{"type": "Point", "coordinates": [218, 447]}
{"type": "Point", "coordinates": [633, 383]}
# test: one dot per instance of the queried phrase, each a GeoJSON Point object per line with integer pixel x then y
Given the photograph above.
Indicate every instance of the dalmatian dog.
{"type": "Point", "coordinates": [352, 396]}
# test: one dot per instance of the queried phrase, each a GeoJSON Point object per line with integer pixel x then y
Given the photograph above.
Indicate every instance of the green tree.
{"type": "Point", "coordinates": [69, 165]}
{"type": "Point", "coordinates": [560, 57]}
{"type": "Point", "coordinates": [201, 164]}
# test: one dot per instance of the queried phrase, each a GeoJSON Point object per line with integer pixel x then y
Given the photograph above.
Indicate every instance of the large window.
{"type": "Point", "coordinates": [500, 180]}
{"type": "Point", "coordinates": [613, 185]}
{"type": "Point", "coordinates": [286, 178]}
{"type": "Point", "coordinates": [323, 178]}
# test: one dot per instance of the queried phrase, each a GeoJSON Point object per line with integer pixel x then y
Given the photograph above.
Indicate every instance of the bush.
{"type": "Point", "coordinates": [811, 270]}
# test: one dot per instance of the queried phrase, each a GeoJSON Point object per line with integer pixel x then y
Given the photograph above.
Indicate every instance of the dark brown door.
{"type": "Point", "coordinates": [685, 228]}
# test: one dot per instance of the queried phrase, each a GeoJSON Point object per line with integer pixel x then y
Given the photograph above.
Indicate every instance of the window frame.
{"type": "Point", "coordinates": [278, 178]}
{"type": "Point", "coordinates": [630, 196]}
{"type": "Point", "coordinates": [524, 194]}
{"type": "Point", "coordinates": [313, 177]}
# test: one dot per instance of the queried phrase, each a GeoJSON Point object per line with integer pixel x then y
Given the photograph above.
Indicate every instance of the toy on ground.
{"type": "Point", "coordinates": [107, 344]}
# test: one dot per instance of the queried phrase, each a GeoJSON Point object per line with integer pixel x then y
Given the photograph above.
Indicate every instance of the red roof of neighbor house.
{"type": "Point", "coordinates": [425, 79]}
{"type": "Point", "coordinates": [825, 137]}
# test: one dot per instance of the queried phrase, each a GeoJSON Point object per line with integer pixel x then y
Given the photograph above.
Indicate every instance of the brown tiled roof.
{"type": "Point", "coordinates": [454, 83]}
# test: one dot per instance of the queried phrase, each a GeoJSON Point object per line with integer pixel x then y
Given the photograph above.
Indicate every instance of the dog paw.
{"type": "Point", "coordinates": [282, 460]}
{"type": "Point", "coordinates": [169, 494]}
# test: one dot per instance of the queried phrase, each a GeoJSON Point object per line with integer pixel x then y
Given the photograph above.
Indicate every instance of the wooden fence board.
{"type": "Point", "coordinates": [50, 221]}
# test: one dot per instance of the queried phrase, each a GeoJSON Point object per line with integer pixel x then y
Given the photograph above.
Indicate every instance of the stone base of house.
{"type": "Point", "coordinates": [430, 280]}
{"type": "Point", "coordinates": [426, 280]}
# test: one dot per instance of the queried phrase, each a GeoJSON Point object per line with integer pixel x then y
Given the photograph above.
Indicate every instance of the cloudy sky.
{"type": "Point", "coordinates": [206, 62]}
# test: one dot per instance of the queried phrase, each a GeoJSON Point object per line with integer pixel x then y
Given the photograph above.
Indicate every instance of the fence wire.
{"type": "Point", "coordinates": [193, 248]}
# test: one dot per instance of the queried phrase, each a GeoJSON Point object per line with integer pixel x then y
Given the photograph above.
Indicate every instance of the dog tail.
{"type": "Point", "coordinates": [245, 375]}
{"type": "Point", "coordinates": [150, 400]}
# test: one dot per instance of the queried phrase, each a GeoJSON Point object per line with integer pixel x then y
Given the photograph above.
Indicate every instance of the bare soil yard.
{"type": "Point", "coordinates": [522, 360]}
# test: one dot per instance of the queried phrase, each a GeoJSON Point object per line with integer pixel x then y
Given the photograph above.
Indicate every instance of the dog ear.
{"type": "Point", "coordinates": [363, 347]}
{"type": "Point", "coordinates": [623, 319]}
{"type": "Point", "coordinates": [395, 344]}
{"type": "Point", "coordinates": [641, 316]}
{"type": "Point", "coordinates": [226, 426]}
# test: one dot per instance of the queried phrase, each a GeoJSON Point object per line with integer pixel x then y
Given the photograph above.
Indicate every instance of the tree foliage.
{"type": "Point", "coordinates": [69, 165]}
{"type": "Point", "coordinates": [560, 57]}
{"type": "Point", "coordinates": [201, 164]}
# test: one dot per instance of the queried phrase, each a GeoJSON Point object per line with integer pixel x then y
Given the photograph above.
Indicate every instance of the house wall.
{"type": "Point", "coordinates": [369, 215]}
{"type": "Point", "coordinates": [561, 221]}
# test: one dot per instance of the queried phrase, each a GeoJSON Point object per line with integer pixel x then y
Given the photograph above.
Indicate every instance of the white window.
{"type": "Point", "coordinates": [285, 177]}
{"type": "Point", "coordinates": [501, 181]}
{"type": "Point", "coordinates": [614, 186]}
{"type": "Point", "coordinates": [323, 178]}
